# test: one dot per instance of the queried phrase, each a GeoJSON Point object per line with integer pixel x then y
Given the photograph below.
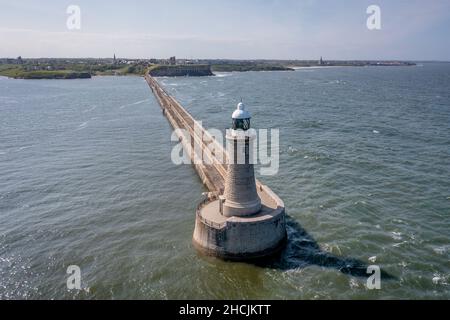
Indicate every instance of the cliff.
{"type": "Point", "coordinates": [191, 70]}
{"type": "Point", "coordinates": [53, 75]}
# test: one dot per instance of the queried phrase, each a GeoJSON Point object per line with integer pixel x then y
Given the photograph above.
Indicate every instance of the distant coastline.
{"type": "Point", "coordinates": [184, 70]}
{"type": "Point", "coordinates": [85, 68]}
{"type": "Point", "coordinates": [63, 74]}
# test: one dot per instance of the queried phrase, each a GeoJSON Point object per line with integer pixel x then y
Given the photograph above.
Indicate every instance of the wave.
{"type": "Point", "coordinates": [23, 148]}
{"type": "Point", "coordinates": [223, 74]}
{"type": "Point", "coordinates": [90, 109]}
{"type": "Point", "coordinates": [134, 103]}
{"type": "Point", "coordinates": [82, 126]}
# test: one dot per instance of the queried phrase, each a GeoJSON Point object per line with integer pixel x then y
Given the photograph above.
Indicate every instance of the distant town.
{"type": "Point", "coordinates": [71, 68]}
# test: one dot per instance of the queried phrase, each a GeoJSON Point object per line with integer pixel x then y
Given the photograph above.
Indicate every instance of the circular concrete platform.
{"type": "Point", "coordinates": [241, 238]}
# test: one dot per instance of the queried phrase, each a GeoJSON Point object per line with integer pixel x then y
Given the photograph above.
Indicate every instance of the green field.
{"type": "Point", "coordinates": [59, 70]}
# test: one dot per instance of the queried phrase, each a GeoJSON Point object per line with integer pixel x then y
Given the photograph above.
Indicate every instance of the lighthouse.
{"type": "Point", "coordinates": [247, 221]}
{"type": "Point", "coordinates": [240, 195]}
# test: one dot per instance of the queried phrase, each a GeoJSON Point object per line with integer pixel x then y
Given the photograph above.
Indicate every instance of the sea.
{"type": "Point", "coordinates": [87, 182]}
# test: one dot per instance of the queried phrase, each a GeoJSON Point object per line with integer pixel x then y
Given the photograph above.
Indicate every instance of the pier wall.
{"type": "Point", "coordinates": [212, 175]}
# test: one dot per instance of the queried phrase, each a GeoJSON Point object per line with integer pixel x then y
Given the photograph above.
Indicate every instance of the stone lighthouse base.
{"type": "Point", "coordinates": [241, 238]}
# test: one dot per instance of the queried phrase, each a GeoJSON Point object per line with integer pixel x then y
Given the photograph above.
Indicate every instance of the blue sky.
{"type": "Point", "coordinates": [235, 29]}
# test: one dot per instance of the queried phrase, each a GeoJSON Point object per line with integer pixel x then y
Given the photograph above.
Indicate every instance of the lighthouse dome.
{"type": "Point", "coordinates": [240, 112]}
{"type": "Point", "coordinates": [240, 118]}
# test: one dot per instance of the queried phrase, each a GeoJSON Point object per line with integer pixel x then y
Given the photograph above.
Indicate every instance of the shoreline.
{"type": "Point", "coordinates": [72, 75]}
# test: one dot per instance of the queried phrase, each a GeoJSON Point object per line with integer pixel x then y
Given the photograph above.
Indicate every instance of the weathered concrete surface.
{"type": "Point", "coordinates": [241, 197]}
{"type": "Point", "coordinates": [236, 238]}
{"type": "Point", "coordinates": [241, 238]}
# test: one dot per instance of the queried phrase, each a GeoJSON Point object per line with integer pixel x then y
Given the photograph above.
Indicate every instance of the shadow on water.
{"type": "Point", "coordinates": [302, 250]}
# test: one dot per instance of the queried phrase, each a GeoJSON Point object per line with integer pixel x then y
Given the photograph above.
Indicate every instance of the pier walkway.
{"type": "Point", "coordinates": [212, 172]}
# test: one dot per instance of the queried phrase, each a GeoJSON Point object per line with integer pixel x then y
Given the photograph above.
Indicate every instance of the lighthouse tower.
{"type": "Point", "coordinates": [241, 198]}
{"type": "Point", "coordinates": [248, 220]}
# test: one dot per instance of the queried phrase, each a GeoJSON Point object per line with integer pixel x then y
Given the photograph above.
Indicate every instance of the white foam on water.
{"type": "Point", "coordinates": [396, 235]}
{"type": "Point", "coordinates": [439, 279]}
{"type": "Point", "coordinates": [292, 149]}
{"type": "Point", "coordinates": [90, 109]}
{"type": "Point", "coordinates": [134, 103]}
{"type": "Point", "coordinates": [223, 74]}
{"type": "Point", "coordinates": [440, 250]}
{"type": "Point", "coordinates": [23, 148]}
{"type": "Point", "coordinates": [399, 244]}
{"type": "Point", "coordinates": [82, 126]}
{"type": "Point", "coordinates": [353, 283]}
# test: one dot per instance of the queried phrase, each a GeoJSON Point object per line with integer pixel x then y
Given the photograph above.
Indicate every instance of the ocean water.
{"type": "Point", "coordinates": [86, 179]}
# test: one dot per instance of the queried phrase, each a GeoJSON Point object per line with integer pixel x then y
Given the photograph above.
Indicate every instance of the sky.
{"type": "Point", "coordinates": [230, 29]}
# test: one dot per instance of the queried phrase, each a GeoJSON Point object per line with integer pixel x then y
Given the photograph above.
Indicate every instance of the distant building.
{"type": "Point", "coordinates": [11, 60]}
{"type": "Point", "coordinates": [114, 59]}
{"type": "Point", "coordinates": [321, 62]}
{"type": "Point", "coordinates": [172, 61]}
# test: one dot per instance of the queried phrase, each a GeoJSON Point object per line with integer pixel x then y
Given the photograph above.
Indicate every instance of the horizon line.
{"type": "Point", "coordinates": [232, 59]}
